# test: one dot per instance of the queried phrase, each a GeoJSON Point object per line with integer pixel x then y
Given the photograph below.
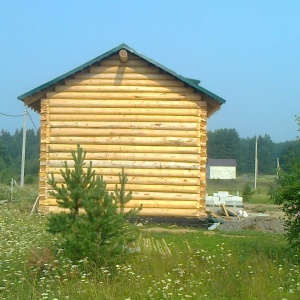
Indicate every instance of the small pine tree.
{"type": "Point", "coordinates": [102, 231]}
{"type": "Point", "coordinates": [247, 192]}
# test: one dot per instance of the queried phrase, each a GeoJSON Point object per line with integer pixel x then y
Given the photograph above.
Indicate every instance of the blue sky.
{"type": "Point", "coordinates": [247, 52]}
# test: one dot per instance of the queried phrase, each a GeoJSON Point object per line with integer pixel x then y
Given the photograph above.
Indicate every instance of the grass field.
{"type": "Point", "coordinates": [170, 264]}
{"type": "Point", "coordinates": [236, 186]}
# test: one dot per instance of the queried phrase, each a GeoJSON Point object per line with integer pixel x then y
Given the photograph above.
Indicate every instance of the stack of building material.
{"type": "Point", "coordinates": [223, 197]}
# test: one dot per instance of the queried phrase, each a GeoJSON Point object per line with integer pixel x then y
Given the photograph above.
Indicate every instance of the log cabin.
{"type": "Point", "coordinates": [128, 111]}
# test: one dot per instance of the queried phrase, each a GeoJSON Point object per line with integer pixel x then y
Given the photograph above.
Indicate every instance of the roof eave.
{"type": "Point", "coordinates": [191, 82]}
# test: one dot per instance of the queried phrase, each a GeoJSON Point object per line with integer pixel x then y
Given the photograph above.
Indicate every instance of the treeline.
{"type": "Point", "coordinates": [222, 143]}
{"type": "Point", "coordinates": [226, 143]}
{"type": "Point", "coordinates": [11, 155]}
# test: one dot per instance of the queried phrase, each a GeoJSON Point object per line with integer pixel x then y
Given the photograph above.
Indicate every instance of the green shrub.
{"type": "Point", "coordinates": [4, 192]}
{"type": "Point", "coordinates": [287, 195]}
{"type": "Point", "coordinates": [102, 231]}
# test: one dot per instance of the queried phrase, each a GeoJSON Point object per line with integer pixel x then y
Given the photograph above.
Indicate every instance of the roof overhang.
{"type": "Point", "coordinates": [33, 97]}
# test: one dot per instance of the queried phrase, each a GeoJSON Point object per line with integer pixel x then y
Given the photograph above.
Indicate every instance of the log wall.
{"type": "Point", "coordinates": [130, 115]}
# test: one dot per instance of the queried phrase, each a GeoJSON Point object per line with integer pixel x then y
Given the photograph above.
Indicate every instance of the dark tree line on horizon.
{"type": "Point", "coordinates": [11, 155]}
{"type": "Point", "coordinates": [222, 143]}
{"type": "Point", "coordinates": [226, 144]}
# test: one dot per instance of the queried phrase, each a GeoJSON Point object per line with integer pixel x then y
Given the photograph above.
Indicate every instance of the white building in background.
{"type": "Point", "coordinates": [221, 168]}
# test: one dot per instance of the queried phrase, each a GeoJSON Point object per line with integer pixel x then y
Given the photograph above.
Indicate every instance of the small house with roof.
{"type": "Point", "coordinates": [128, 111]}
{"type": "Point", "coordinates": [221, 168]}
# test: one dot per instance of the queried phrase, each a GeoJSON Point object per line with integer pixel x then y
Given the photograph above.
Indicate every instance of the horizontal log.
{"type": "Point", "coordinates": [119, 80]}
{"type": "Point", "coordinates": [121, 104]}
{"type": "Point", "coordinates": [131, 56]}
{"type": "Point", "coordinates": [171, 212]}
{"type": "Point", "coordinates": [114, 179]}
{"type": "Point", "coordinates": [157, 188]}
{"type": "Point", "coordinates": [128, 63]}
{"type": "Point", "coordinates": [122, 89]}
{"type": "Point", "coordinates": [103, 132]}
{"type": "Point", "coordinates": [185, 174]}
{"type": "Point", "coordinates": [124, 69]}
{"type": "Point", "coordinates": [122, 118]}
{"type": "Point", "coordinates": [193, 158]}
{"type": "Point", "coordinates": [131, 164]}
{"type": "Point", "coordinates": [124, 96]}
{"type": "Point", "coordinates": [125, 125]}
{"type": "Point", "coordinates": [145, 196]}
{"type": "Point", "coordinates": [111, 73]}
{"type": "Point", "coordinates": [122, 149]}
{"type": "Point", "coordinates": [163, 212]}
{"type": "Point", "coordinates": [164, 204]}
{"type": "Point", "coordinates": [124, 111]}
{"type": "Point", "coordinates": [120, 140]}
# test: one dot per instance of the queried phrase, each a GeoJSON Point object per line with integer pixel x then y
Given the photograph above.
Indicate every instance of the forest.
{"type": "Point", "coordinates": [222, 143]}
{"type": "Point", "coordinates": [226, 143]}
{"type": "Point", "coordinates": [11, 155]}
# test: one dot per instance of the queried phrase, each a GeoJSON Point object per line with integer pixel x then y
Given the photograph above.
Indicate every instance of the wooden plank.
{"type": "Point", "coordinates": [231, 213]}
{"type": "Point", "coordinates": [224, 210]}
{"type": "Point", "coordinates": [104, 132]}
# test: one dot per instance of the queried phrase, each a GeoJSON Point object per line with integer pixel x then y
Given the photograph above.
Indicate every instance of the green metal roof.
{"type": "Point", "coordinates": [191, 82]}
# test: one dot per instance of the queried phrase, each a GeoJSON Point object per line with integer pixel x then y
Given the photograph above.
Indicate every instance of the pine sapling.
{"type": "Point", "coordinates": [102, 231]}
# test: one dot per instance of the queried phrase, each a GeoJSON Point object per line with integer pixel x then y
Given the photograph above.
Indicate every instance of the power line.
{"type": "Point", "coordinates": [32, 121]}
{"type": "Point", "coordinates": [13, 116]}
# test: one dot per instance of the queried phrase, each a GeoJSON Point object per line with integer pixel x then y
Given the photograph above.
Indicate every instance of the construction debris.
{"type": "Point", "coordinates": [224, 214]}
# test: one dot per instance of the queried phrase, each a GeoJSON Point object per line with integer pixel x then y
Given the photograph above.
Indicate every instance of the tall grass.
{"type": "Point", "coordinates": [191, 264]}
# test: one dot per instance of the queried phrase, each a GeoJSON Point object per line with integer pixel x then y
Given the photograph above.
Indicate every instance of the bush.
{"type": "Point", "coordinates": [287, 195]}
{"type": "Point", "coordinates": [102, 231]}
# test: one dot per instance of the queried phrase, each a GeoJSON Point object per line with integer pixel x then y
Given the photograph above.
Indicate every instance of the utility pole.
{"type": "Point", "coordinates": [23, 148]}
{"type": "Point", "coordinates": [278, 167]}
{"type": "Point", "coordinates": [256, 165]}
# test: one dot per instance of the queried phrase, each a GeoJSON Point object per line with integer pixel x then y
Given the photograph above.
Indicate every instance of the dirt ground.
{"type": "Point", "coordinates": [263, 217]}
